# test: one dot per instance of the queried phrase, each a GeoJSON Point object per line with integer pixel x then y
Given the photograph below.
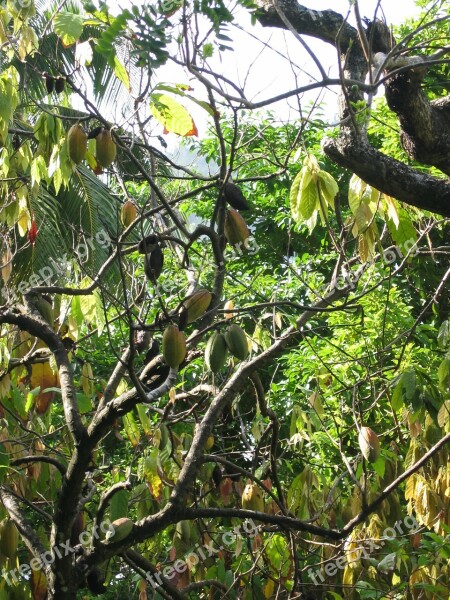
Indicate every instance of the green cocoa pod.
{"type": "Point", "coordinates": [236, 341]}
{"type": "Point", "coordinates": [216, 352]}
{"type": "Point", "coordinates": [76, 143]}
{"type": "Point", "coordinates": [106, 149]}
{"type": "Point", "coordinates": [122, 528]}
{"type": "Point", "coordinates": [173, 346]}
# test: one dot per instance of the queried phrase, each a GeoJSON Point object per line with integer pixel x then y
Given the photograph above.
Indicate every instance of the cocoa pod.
{"type": "Point", "coordinates": [128, 213]}
{"type": "Point", "coordinates": [9, 538]}
{"type": "Point", "coordinates": [235, 197]}
{"type": "Point", "coordinates": [197, 304]}
{"type": "Point", "coordinates": [153, 264]}
{"type": "Point", "coordinates": [216, 352]}
{"type": "Point", "coordinates": [60, 84]}
{"type": "Point", "coordinates": [235, 228]}
{"type": "Point", "coordinates": [76, 143]}
{"type": "Point", "coordinates": [369, 444]}
{"type": "Point", "coordinates": [217, 475]}
{"type": "Point", "coordinates": [236, 341]}
{"type": "Point", "coordinates": [173, 346]}
{"type": "Point", "coordinates": [122, 528]}
{"type": "Point", "coordinates": [147, 244]}
{"type": "Point", "coordinates": [106, 148]}
{"type": "Point", "coordinates": [252, 498]}
{"type": "Point", "coordinates": [209, 442]}
{"type": "Point", "coordinates": [49, 83]}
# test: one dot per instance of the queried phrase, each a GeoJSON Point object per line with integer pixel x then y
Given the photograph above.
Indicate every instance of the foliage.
{"type": "Point", "coordinates": [340, 290]}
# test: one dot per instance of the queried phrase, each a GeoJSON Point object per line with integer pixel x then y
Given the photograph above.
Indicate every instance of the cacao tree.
{"type": "Point", "coordinates": [225, 343]}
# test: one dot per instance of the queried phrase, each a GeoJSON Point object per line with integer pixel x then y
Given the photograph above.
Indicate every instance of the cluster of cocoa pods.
{"type": "Point", "coordinates": [233, 340]}
{"type": "Point", "coordinates": [105, 148]}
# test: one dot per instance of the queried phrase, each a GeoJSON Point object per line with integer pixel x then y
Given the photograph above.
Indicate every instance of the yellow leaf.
{"type": "Point", "coordinates": [173, 115]}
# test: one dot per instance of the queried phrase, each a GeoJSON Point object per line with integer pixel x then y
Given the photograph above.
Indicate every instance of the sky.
{"type": "Point", "coordinates": [268, 61]}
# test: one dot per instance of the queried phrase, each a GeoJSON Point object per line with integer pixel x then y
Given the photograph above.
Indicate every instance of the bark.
{"type": "Point", "coordinates": [425, 125]}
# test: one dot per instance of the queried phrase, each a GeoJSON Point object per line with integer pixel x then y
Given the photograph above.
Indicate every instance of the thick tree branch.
{"type": "Point", "coordinates": [390, 176]}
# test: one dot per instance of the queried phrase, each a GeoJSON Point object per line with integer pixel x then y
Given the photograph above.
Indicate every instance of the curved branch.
{"type": "Point", "coordinates": [390, 176]}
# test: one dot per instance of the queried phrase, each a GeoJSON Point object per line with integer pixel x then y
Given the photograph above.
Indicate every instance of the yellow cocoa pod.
{"type": "Point", "coordinates": [235, 229]}
{"type": "Point", "coordinates": [128, 213]}
{"type": "Point", "coordinates": [76, 143]}
{"type": "Point", "coordinates": [369, 444]}
{"type": "Point", "coordinates": [209, 442]}
{"type": "Point", "coordinates": [252, 498]}
{"type": "Point", "coordinates": [197, 304]}
{"type": "Point", "coordinates": [120, 529]}
{"type": "Point", "coordinates": [9, 539]}
{"type": "Point", "coordinates": [106, 149]}
{"type": "Point", "coordinates": [216, 352]}
{"type": "Point", "coordinates": [236, 341]}
{"type": "Point", "coordinates": [173, 346]}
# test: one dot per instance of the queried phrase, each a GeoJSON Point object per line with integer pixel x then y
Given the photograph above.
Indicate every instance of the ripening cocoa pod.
{"type": "Point", "coordinates": [173, 346]}
{"type": "Point", "coordinates": [252, 498]}
{"type": "Point", "coordinates": [235, 197]}
{"type": "Point", "coordinates": [128, 213]}
{"type": "Point", "coordinates": [197, 304]}
{"type": "Point", "coordinates": [236, 341]}
{"type": "Point", "coordinates": [60, 83]}
{"type": "Point", "coordinates": [235, 229]}
{"type": "Point", "coordinates": [216, 352]}
{"type": "Point", "coordinates": [120, 529]}
{"type": "Point", "coordinates": [106, 149]}
{"type": "Point", "coordinates": [369, 444]}
{"type": "Point", "coordinates": [209, 442]}
{"type": "Point", "coordinates": [9, 538]}
{"type": "Point", "coordinates": [76, 143]}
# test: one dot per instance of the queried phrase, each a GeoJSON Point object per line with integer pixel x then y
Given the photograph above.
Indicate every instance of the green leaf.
{"type": "Point", "coordinates": [309, 201]}
{"type": "Point", "coordinates": [121, 73]}
{"type": "Point", "coordinates": [4, 462]}
{"type": "Point", "coordinates": [119, 505]}
{"type": "Point", "coordinates": [444, 335]}
{"type": "Point", "coordinates": [404, 235]}
{"type": "Point", "coordinates": [68, 26]}
{"type": "Point", "coordinates": [131, 429]}
{"type": "Point", "coordinates": [328, 187]}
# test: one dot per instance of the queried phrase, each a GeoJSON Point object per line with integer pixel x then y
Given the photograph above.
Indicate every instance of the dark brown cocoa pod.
{"type": "Point", "coordinates": [153, 264]}
{"type": "Point", "coordinates": [235, 197]}
{"type": "Point", "coordinates": [217, 475]}
{"type": "Point", "coordinates": [94, 133]}
{"type": "Point", "coordinates": [49, 83]}
{"type": "Point", "coordinates": [147, 244]}
{"type": "Point", "coordinates": [60, 84]}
